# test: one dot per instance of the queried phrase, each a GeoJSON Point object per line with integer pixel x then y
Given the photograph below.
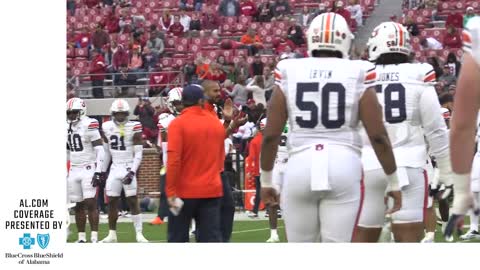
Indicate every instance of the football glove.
{"type": "Point", "coordinates": [127, 180]}
{"type": "Point", "coordinates": [98, 179]}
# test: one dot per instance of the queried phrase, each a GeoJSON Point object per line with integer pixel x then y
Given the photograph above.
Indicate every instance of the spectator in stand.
{"type": "Point", "coordinates": [340, 9]}
{"type": "Point", "coordinates": [125, 22]}
{"type": "Point", "coordinates": [440, 88]}
{"type": "Point", "coordinates": [71, 38]}
{"type": "Point", "coordinates": [470, 14]}
{"type": "Point", "coordinates": [448, 78]}
{"type": "Point", "coordinates": [295, 33]}
{"type": "Point", "coordinates": [176, 29]}
{"type": "Point", "coordinates": [229, 8]}
{"type": "Point", "coordinates": [83, 39]}
{"type": "Point", "coordinates": [257, 87]}
{"type": "Point", "coordinates": [431, 4]}
{"type": "Point", "coordinates": [264, 14]}
{"type": "Point", "coordinates": [321, 9]}
{"type": "Point", "coordinates": [196, 23]}
{"type": "Point", "coordinates": [111, 23]}
{"type": "Point", "coordinates": [256, 68]}
{"type": "Point", "coordinates": [411, 26]}
{"type": "Point", "coordinates": [222, 64]}
{"type": "Point", "coordinates": [71, 7]}
{"type": "Point", "coordinates": [108, 3]}
{"type": "Point", "coordinates": [189, 71]}
{"type": "Point", "coordinates": [252, 41]}
{"type": "Point", "coordinates": [356, 11]}
{"type": "Point", "coordinates": [304, 18]}
{"type": "Point", "coordinates": [124, 3]}
{"type": "Point", "coordinates": [284, 45]}
{"type": "Point", "coordinates": [230, 72]}
{"type": "Point", "coordinates": [248, 8]}
{"type": "Point", "coordinates": [185, 21]}
{"type": "Point", "coordinates": [100, 38]}
{"type": "Point", "coordinates": [210, 23]}
{"type": "Point", "coordinates": [214, 73]}
{"type": "Point", "coordinates": [452, 39]}
{"type": "Point", "coordinates": [269, 81]}
{"type": "Point", "coordinates": [97, 71]}
{"type": "Point", "coordinates": [158, 81]}
{"type": "Point", "coordinates": [149, 60]}
{"type": "Point", "coordinates": [241, 67]}
{"type": "Point", "coordinates": [453, 63]}
{"type": "Point", "coordinates": [436, 66]}
{"type": "Point", "coordinates": [279, 10]}
{"type": "Point", "coordinates": [145, 113]}
{"type": "Point", "coordinates": [92, 3]}
{"type": "Point", "coordinates": [239, 93]}
{"type": "Point", "coordinates": [120, 57]}
{"type": "Point", "coordinates": [135, 62]}
{"type": "Point", "coordinates": [454, 19]}
{"type": "Point", "coordinates": [430, 43]}
{"type": "Point", "coordinates": [156, 45]}
{"type": "Point", "coordinates": [125, 79]}
{"type": "Point", "coordinates": [166, 20]}
{"type": "Point", "coordinates": [201, 67]}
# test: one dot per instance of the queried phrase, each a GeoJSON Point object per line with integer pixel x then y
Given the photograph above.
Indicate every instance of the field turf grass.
{"type": "Point", "coordinates": [249, 231]}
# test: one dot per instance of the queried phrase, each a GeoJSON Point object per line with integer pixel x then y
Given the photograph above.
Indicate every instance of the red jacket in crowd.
{"type": "Point", "coordinates": [210, 21]}
{"type": "Point", "coordinates": [248, 8]}
{"type": "Point", "coordinates": [91, 3]}
{"type": "Point", "coordinates": [97, 66]}
{"type": "Point", "coordinates": [216, 76]}
{"type": "Point", "coordinates": [120, 57]}
{"type": "Point", "coordinates": [111, 24]}
{"type": "Point", "coordinates": [452, 41]}
{"type": "Point", "coordinates": [176, 29]}
{"type": "Point", "coordinates": [455, 20]}
{"type": "Point", "coordinates": [83, 40]}
{"type": "Point", "coordinates": [345, 14]}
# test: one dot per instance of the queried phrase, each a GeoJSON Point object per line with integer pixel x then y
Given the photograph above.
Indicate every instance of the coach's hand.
{"type": "Point", "coordinates": [269, 196]}
{"type": "Point", "coordinates": [227, 110]}
{"type": "Point", "coordinates": [127, 180]}
{"type": "Point", "coordinates": [396, 195]}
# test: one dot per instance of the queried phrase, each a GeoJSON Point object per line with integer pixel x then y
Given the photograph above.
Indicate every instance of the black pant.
{"type": "Point", "coordinates": [258, 187]}
{"type": "Point", "coordinates": [163, 208]}
{"type": "Point", "coordinates": [206, 213]}
{"type": "Point", "coordinates": [97, 89]}
{"type": "Point", "coordinates": [227, 209]}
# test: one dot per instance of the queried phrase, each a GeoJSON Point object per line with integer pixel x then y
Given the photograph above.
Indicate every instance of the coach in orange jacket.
{"type": "Point", "coordinates": [194, 138]}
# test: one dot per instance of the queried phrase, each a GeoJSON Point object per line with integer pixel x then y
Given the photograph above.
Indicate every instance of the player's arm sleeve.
{"type": "Point", "coordinates": [433, 124]}
{"type": "Point", "coordinates": [369, 77]}
{"type": "Point", "coordinates": [137, 147]}
{"type": "Point", "coordinates": [174, 165]}
{"type": "Point", "coordinates": [93, 134]}
{"type": "Point", "coordinates": [100, 156]}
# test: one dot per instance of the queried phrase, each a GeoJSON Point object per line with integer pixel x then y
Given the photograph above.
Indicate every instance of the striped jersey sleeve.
{"type": "Point", "coordinates": [280, 73]}
{"type": "Point", "coordinates": [370, 76]}
{"type": "Point", "coordinates": [93, 124]}
{"type": "Point", "coordinates": [93, 132]}
{"type": "Point", "coordinates": [137, 127]}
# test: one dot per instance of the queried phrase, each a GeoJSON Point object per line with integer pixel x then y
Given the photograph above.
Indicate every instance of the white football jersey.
{"type": "Point", "coordinates": [411, 112]}
{"type": "Point", "coordinates": [120, 140]}
{"type": "Point", "coordinates": [80, 136]}
{"type": "Point", "coordinates": [471, 38]}
{"type": "Point", "coordinates": [164, 121]}
{"type": "Point", "coordinates": [322, 98]}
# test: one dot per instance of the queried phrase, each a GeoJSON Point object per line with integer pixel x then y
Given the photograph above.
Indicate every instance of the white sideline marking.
{"type": "Point", "coordinates": [256, 230]}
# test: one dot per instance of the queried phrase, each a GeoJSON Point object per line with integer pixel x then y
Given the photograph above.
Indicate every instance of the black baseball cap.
{"type": "Point", "coordinates": [192, 94]}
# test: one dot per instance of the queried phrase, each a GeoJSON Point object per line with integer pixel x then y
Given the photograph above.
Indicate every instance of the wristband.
{"type": "Point", "coordinates": [393, 184]}
{"type": "Point", "coordinates": [266, 178]}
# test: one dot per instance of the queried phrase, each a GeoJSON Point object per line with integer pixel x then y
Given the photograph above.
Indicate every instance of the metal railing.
{"type": "Point", "coordinates": [137, 86]}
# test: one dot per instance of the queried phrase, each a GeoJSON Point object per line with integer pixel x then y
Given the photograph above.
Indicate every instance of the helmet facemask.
{"type": "Point", "coordinates": [120, 117]}
{"type": "Point", "coordinates": [73, 116]}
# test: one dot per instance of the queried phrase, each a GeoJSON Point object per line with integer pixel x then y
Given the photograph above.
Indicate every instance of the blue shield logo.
{"type": "Point", "coordinates": [43, 240]}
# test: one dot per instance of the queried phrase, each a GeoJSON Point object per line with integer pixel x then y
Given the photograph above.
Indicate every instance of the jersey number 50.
{"type": "Point", "coordinates": [311, 106]}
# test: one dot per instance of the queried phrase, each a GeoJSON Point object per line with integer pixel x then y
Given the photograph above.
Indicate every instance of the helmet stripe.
{"type": "Point", "coordinates": [327, 28]}
{"type": "Point", "coordinates": [333, 27]}
{"type": "Point", "coordinates": [321, 27]}
{"type": "Point", "coordinates": [396, 32]}
{"type": "Point", "coordinates": [400, 44]}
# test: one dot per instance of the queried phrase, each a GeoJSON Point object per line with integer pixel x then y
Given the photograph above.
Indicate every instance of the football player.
{"type": "Point", "coordinates": [277, 181]}
{"type": "Point", "coordinates": [324, 97]}
{"type": "Point", "coordinates": [411, 112]}
{"type": "Point", "coordinates": [175, 106]}
{"type": "Point", "coordinates": [125, 149]}
{"type": "Point", "coordinates": [462, 133]}
{"type": "Point", "coordinates": [86, 153]}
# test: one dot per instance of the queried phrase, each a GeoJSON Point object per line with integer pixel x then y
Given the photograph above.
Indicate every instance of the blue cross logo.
{"type": "Point", "coordinates": [26, 241]}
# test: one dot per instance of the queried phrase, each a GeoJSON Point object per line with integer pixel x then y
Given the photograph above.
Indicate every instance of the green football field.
{"type": "Point", "coordinates": [246, 231]}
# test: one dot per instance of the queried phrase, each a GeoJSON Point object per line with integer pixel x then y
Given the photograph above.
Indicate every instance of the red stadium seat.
{"type": "Point", "coordinates": [228, 54]}
{"type": "Point", "coordinates": [166, 62]}
{"type": "Point", "coordinates": [255, 25]}
{"type": "Point", "coordinates": [195, 48]}
{"type": "Point", "coordinates": [241, 52]}
{"type": "Point", "coordinates": [179, 62]}
{"type": "Point", "coordinates": [180, 50]}
{"type": "Point", "coordinates": [245, 20]}
{"type": "Point", "coordinates": [197, 41]}
{"type": "Point", "coordinates": [228, 20]}
{"type": "Point", "coordinates": [135, 10]}
{"type": "Point", "coordinates": [210, 43]}
{"type": "Point", "coordinates": [81, 52]}
{"type": "Point", "coordinates": [240, 28]}
{"type": "Point", "coordinates": [212, 55]}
